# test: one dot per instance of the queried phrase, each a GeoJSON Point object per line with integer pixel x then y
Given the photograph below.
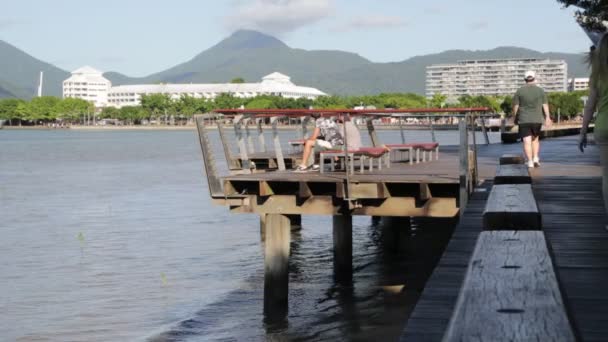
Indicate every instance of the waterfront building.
{"type": "Point", "coordinates": [88, 84]}
{"type": "Point", "coordinates": [493, 76]}
{"type": "Point", "coordinates": [272, 84]}
{"type": "Point", "coordinates": [578, 83]}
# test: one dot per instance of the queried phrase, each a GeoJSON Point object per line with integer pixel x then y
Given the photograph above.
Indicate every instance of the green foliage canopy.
{"type": "Point", "coordinates": [157, 105]}
{"type": "Point", "coordinates": [590, 13]}
{"type": "Point", "coordinates": [8, 109]}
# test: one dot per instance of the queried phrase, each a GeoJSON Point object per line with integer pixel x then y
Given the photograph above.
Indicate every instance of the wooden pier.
{"type": "Point", "coordinates": [566, 189]}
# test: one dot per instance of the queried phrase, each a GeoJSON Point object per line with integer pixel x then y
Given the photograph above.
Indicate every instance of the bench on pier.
{"type": "Point", "coordinates": [511, 159]}
{"type": "Point", "coordinates": [512, 174]}
{"type": "Point", "coordinates": [511, 207]}
{"type": "Point", "coordinates": [295, 145]}
{"type": "Point", "coordinates": [363, 154]}
{"type": "Point", "coordinates": [510, 292]}
{"type": "Point", "coordinates": [415, 147]}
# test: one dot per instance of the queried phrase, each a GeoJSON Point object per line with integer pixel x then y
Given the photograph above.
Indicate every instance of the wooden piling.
{"type": "Point", "coordinates": [343, 246]}
{"type": "Point", "coordinates": [276, 257]}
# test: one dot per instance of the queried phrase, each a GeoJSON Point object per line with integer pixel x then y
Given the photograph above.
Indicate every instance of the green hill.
{"type": "Point", "coordinates": [252, 55]}
{"type": "Point", "coordinates": [4, 94]}
{"type": "Point", "coordinates": [22, 71]}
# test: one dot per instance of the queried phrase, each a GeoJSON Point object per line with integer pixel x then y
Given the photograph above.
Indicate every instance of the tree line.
{"type": "Point", "coordinates": [161, 108]}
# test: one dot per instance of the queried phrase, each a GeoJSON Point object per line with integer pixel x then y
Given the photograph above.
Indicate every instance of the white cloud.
{"type": "Point", "coordinates": [479, 25]}
{"type": "Point", "coordinates": [372, 22]}
{"type": "Point", "coordinates": [278, 16]}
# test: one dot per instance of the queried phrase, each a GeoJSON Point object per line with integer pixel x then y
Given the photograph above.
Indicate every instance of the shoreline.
{"type": "Point", "coordinates": [266, 128]}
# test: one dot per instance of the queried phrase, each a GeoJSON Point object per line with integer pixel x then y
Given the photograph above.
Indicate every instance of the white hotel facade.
{"type": "Point", "coordinates": [89, 84]}
{"type": "Point", "coordinates": [494, 76]}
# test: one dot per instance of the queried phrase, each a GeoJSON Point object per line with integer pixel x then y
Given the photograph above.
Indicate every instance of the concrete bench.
{"type": "Point", "coordinates": [512, 174]}
{"type": "Point", "coordinates": [362, 154]}
{"type": "Point", "coordinates": [510, 292]}
{"type": "Point", "coordinates": [511, 159]}
{"type": "Point", "coordinates": [511, 207]}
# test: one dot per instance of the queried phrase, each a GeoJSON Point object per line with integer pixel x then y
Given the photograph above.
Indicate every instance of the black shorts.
{"type": "Point", "coordinates": [529, 129]}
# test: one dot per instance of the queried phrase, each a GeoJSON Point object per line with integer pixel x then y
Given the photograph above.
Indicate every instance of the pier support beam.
{"type": "Point", "coordinates": [276, 257]}
{"type": "Point", "coordinates": [343, 247]}
{"type": "Point", "coordinates": [395, 230]}
{"type": "Point", "coordinates": [262, 227]}
{"type": "Point", "coordinates": [296, 222]}
{"type": "Point", "coordinates": [376, 220]}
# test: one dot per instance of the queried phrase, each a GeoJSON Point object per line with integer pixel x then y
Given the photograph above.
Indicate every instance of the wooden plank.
{"type": "Point", "coordinates": [509, 158]}
{"type": "Point", "coordinates": [510, 292]}
{"type": "Point", "coordinates": [512, 174]}
{"type": "Point", "coordinates": [511, 207]}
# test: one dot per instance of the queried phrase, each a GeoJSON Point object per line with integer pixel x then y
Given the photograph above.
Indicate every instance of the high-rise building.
{"type": "Point", "coordinates": [88, 84]}
{"type": "Point", "coordinates": [493, 76]}
{"type": "Point", "coordinates": [579, 83]}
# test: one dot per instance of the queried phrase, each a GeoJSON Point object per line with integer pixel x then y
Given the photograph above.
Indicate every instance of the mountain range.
{"type": "Point", "coordinates": [251, 55]}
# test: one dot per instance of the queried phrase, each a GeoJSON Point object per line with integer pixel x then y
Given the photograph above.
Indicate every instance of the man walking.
{"type": "Point", "coordinates": [530, 104]}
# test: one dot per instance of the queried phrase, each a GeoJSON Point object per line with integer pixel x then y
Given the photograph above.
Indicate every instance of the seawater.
{"type": "Point", "coordinates": [111, 236]}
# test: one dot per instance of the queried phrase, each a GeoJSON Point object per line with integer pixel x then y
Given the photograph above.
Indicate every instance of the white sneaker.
{"type": "Point", "coordinates": [530, 163]}
{"type": "Point", "coordinates": [315, 167]}
{"type": "Point", "coordinates": [301, 168]}
{"type": "Point", "coordinates": [536, 162]}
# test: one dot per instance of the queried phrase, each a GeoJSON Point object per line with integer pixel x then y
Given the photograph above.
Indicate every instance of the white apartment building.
{"type": "Point", "coordinates": [88, 84]}
{"type": "Point", "coordinates": [579, 83]}
{"type": "Point", "coordinates": [272, 84]}
{"type": "Point", "coordinates": [493, 76]}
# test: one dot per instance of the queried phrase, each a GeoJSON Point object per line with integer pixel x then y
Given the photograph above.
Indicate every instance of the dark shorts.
{"type": "Point", "coordinates": [529, 129]}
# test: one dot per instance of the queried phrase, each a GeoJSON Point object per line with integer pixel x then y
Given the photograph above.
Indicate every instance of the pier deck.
{"type": "Point", "coordinates": [567, 188]}
{"type": "Point", "coordinates": [426, 189]}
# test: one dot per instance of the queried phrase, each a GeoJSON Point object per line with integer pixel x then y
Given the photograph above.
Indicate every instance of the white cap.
{"type": "Point", "coordinates": [530, 74]}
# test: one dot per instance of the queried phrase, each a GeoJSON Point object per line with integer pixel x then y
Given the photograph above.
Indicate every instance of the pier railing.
{"type": "Point", "coordinates": [469, 121]}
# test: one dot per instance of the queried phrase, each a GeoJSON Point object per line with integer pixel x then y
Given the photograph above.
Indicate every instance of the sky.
{"type": "Point", "coordinates": [141, 37]}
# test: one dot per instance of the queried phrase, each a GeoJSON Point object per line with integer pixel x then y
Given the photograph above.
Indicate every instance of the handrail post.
{"type": "Point", "coordinates": [259, 122]}
{"type": "Point", "coordinates": [277, 143]}
{"type": "Point", "coordinates": [346, 161]}
{"type": "Point", "coordinates": [250, 146]}
{"type": "Point", "coordinates": [474, 151]}
{"type": "Point", "coordinates": [230, 160]}
{"type": "Point", "coordinates": [484, 130]}
{"type": "Point", "coordinates": [464, 163]}
{"type": "Point", "coordinates": [432, 129]}
{"type": "Point", "coordinates": [372, 132]}
{"type": "Point", "coordinates": [305, 126]}
{"type": "Point", "coordinates": [237, 122]}
{"type": "Point", "coordinates": [401, 130]}
{"type": "Point", "coordinates": [213, 181]}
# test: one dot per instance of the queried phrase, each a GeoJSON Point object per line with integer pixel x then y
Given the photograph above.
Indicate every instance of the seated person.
{"type": "Point", "coordinates": [326, 136]}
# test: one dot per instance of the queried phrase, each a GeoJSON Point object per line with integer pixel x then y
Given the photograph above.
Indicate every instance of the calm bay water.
{"type": "Point", "coordinates": [111, 236]}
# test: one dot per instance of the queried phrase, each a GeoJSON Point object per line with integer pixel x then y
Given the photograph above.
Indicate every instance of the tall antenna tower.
{"type": "Point", "coordinates": [40, 84]}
